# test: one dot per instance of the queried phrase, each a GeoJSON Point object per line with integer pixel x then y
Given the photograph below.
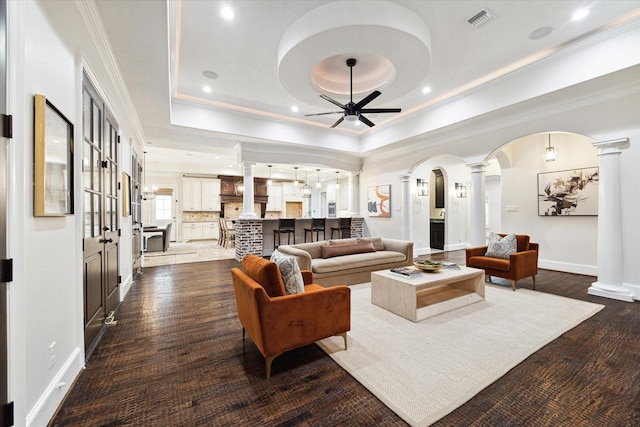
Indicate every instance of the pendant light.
{"type": "Point", "coordinates": [337, 178]}
{"type": "Point", "coordinates": [318, 180]}
{"type": "Point", "coordinates": [551, 154]}
{"type": "Point", "coordinates": [306, 188]}
{"type": "Point", "coordinates": [296, 183]}
{"type": "Point", "coordinates": [269, 181]}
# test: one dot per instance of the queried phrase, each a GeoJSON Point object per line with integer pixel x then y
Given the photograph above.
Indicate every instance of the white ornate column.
{"type": "Point", "coordinates": [247, 195]}
{"type": "Point", "coordinates": [610, 256]}
{"type": "Point", "coordinates": [353, 194]}
{"type": "Point", "coordinates": [477, 221]}
{"type": "Point", "coordinates": [405, 210]}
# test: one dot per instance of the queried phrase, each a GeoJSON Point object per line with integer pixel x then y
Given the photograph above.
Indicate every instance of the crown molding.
{"type": "Point", "coordinates": [91, 16]}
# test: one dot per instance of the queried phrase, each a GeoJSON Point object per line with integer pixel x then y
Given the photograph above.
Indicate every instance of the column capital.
{"type": "Point", "coordinates": [613, 146]}
{"type": "Point", "coordinates": [405, 177]}
{"type": "Point", "coordinates": [477, 167]}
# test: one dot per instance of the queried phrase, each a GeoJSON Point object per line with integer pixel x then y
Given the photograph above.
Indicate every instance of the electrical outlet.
{"type": "Point", "coordinates": [52, 354]}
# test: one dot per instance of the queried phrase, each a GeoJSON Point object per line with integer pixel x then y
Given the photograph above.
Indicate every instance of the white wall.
{"type": "Point", "coordinates": [46, 56]}
{"type": "Point", "coordinates": [567, 243]}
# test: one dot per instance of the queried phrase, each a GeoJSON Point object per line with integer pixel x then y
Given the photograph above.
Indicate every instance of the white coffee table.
{"type": "Point", "coordinates": [429, 294]}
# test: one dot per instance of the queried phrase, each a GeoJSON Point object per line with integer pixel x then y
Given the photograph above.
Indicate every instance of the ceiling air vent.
{"type": "Point", "coordinates": [481, 18]}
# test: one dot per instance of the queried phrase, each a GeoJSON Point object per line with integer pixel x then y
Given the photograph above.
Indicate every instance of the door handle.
{"type": "Point", "coordinates": [106, 240]}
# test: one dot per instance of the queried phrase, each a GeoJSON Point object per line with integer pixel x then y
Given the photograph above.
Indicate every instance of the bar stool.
{"type": "Point", "coordinates": [285, 226]}
{"type": "Point", "coordinates": [318, 225]}
{"type": "Point", "coordinates": [345, 225]}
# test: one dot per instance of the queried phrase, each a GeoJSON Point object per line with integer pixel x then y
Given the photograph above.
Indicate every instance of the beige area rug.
{"type": "Point", "coordinates": [423, 371]}
{"type": "Point", "coordinates": [184, 252]}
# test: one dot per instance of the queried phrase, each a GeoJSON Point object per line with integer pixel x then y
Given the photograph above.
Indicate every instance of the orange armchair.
{"type": "Point", "coordinates": [523, 263]}
{"type": "Point", "coordinates": [277, 322]}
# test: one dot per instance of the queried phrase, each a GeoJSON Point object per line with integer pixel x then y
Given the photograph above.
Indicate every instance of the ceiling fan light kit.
{"type": "Point", "coordinates": [352, 111]}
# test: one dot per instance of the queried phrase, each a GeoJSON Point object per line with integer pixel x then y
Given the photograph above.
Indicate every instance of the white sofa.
{"type": "Point", "coordinates": [341, 267]}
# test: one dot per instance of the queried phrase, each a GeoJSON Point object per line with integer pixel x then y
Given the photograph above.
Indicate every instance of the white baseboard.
{"type": "Point", "coordinates": [587, 270]}
{"type": "Point", "coordinates": [427, 250]}
{"type": "Point", "coordinates": [126, 286]}
{"type": "Point", "coordinates": [456, 247]}
{"type": "Point", "coordinates": [635, 289]}
{"type": "Point", "coordinates": [48, 403]}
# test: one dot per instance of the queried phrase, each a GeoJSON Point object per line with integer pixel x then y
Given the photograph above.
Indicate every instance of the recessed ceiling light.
{"type": "Point", "coordinates": [227, 13]}
{"type": "Point", "coordinates": [426, 90]}
{"type": "Point", "coordinates": [210, 74]}
{"type": "Point", "coordinates": [206, 89]}
{"type": "Point", "coordinates": [579, 14]}
{"type": "Point", "coordinates": [294, 109]}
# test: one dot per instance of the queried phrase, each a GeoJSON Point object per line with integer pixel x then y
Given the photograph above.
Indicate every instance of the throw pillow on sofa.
{"type": "Point", "coordinates": [290, 272]}
{"type": "Point", "coordinates": [330, 251]}
{"type": "Point", "coordinates": [376, 241]}
{"type": "Point", "coordinates": [501, 247]}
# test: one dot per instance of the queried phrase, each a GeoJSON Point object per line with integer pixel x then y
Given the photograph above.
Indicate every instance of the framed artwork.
{"type": "Point", "coordinates": [53, 160]}
{"type": "Point", "coordinates": [379, 201]}
{"type": "Point", "coordinates": [126, 194]}
{"type": "Point", "coordinates": [568, 193]}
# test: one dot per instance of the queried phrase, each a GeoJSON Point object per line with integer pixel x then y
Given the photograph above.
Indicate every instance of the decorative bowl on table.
{"type": "Point", "coordinates": [427, 265]}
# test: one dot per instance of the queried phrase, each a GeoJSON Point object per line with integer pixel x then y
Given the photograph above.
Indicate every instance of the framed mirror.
{"type": "Point", "coordinates": [53, 160]}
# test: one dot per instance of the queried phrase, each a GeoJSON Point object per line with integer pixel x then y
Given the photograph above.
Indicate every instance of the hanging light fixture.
{"type": "Point", "coordinates": [318, 180]}
{"type": "Point", "coordinates": [296, 183]}
{"type": "Point", "coordinates": [337, 177]}
{"type": "Point", "coordinates": [147, 194]}
{"type": "Point", "coordinates": [269, 181]}
{"type": "Point", "coordinates": [306, 188]}
{"type": "Point", "coordinates": [551, 154]}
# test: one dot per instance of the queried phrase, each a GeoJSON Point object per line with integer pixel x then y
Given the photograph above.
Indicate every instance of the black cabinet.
{"type": "Point", "coordinates": [437, 235]}
{"type": "Point", "coordinates": [439, 189]}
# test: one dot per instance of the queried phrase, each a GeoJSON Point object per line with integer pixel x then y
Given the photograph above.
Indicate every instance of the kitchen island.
{"type": "Point", "coordinates": [256, 237]}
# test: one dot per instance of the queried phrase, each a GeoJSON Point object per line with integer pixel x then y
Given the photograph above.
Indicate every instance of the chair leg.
{"type": "Point", "coordinates": [267, 362]}
{"type": "Point", "coordinates": [513, 284]}
{"type": "Point", "coordinates": [243, 332]}
{"type": "Point", "coordinates": [344, 337]}
{"type": "Point", "coordinates": [534, 282]}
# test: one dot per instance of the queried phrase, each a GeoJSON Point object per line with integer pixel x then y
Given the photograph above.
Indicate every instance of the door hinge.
{"type": "Point", "coordinates": [6, 270]}
{"type": "Point", "coordinates": [119, 232]}
{"type": "Point", "coordinates": [105, 164]}
{"type": "Point", "coordinates": [7, 419]}
{"type": "Point", "coordinates": [7, 126]}
{"type": "Point", "coordinates": [119, 186]}
{"type": "Point", "coordinates": [118, 139]}
{"type": "Point", "coordinates": [119, 279]}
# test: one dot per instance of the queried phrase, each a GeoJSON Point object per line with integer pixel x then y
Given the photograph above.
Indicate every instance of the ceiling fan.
{"type": "Point", "coordinates": [353, 111]}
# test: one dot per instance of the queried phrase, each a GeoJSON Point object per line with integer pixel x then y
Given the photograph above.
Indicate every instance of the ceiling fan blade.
{"type": "Point", "coordinates": [332, 101]}
{"type": "Point", "coordinates": [381, 110]}
{"type": "Point", "coordinates": [373, 95]}
{"type": "Point", "coordinates": [323, 114]}
{"type": "Point", "coordinates": [338, 122]}
{"type": "Point", "coordinates": [366, 121]}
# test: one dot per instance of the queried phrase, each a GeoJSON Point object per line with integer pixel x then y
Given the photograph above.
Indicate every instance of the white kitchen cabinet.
{"type": "Point", "coordinates": [191, 231]}
{"type": "Point", "coordinates": [274, 202]}
{"type": "Point", "coordinates": [200, 230]}
{"type": "Point", "coordinates": [201, 195]}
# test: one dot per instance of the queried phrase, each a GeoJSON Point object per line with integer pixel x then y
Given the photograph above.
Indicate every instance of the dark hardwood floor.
{"type": "Point", "coordinates": [176, 357]}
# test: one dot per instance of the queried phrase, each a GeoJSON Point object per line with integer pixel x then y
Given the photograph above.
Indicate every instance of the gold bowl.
{"type": "Point", "coordinates": [428, 265]}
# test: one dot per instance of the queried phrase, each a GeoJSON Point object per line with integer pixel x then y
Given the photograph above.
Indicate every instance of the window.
{"type": "Point", "coordinates": [163, 207]}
